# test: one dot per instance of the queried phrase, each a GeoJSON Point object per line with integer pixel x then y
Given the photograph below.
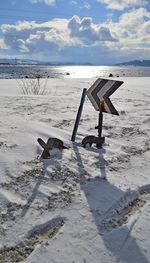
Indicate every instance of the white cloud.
{"type": "Point", "coordinates": [2, 44]}
{"type": "Point", "coordinates": [86, 5]}
{"type": "Point", "coordinates": [144, 33]}
{"type": "Point", "coordinates": [47, 2]}
{"type": "Point", "coordinates": [131, 23]}
{"type": "Point", "coordinates": [132, 31]}
{"type": "Point", "coordinates": [122, 4]}
{"type": "Point", "coordinates": [56, 34]}
{"type": "Point", "coordinates": [32, 38]}
{"type": "Point", "coordinates": [74, 2]}
{"type": "Point", "coordinates": [87, 32]}
{"type": "Point", "coordinates": [134, 19]}
{"type": "Point", "coordinates": [80, 38]}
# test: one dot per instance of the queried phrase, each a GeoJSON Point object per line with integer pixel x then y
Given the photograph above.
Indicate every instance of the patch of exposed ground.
{"type": "Point", "coordinates": [10, 212]}
{"type": "Point", "coordinates": [40, 234]}
{"type": "Point", "coordinates": [120, 214]}
{"type": "Point", "coordinates": [61, 199]}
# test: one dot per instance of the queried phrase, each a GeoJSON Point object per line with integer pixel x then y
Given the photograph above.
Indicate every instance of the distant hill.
{"type": "Point", "coordinates": [6, 61]}
{"type": "Point", "coordinates": [140, 63]}
{"type": "Point", "coordinates": [15, 61]}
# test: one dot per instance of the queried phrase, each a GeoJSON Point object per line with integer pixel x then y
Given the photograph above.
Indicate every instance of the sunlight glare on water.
{"type": "Point", "coordinates": [71, 71]}
{"type": "Point", "coordinates": [84, 71]}
{"type": "Point", "coordinates": [103, 71]}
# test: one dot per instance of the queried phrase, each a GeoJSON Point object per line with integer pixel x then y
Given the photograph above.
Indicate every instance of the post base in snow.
{"type": "Point", "coordinates": [91, 139]}
{"type": "Point", "coordinates": [51, 144]}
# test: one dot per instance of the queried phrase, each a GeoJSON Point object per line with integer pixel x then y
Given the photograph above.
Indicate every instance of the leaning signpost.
{"type": "Point", "coordinates": [98, 94]}
{"type": "Point", "coordinates": [78, 115]}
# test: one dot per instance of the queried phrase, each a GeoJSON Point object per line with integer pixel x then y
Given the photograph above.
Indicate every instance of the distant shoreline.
{"type": "Point", "coordinates": [70, 71]}
{"type": "Point", "coordinates": [73, 65]}
{"type": "Point", "coordinates": [22, 62]}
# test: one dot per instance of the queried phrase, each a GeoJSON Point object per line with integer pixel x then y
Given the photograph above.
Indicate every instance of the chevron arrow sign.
{"type": "Point", "coordinates": [99, 94]}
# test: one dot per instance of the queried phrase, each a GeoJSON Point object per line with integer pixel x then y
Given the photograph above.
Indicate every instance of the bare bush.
{"type": "Point", "coordinates": [32, 86]}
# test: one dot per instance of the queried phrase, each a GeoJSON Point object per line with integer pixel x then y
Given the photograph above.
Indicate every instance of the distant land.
{"type": "Point", "coordinates": [140, 63]}
{"type": "Point", "coordinates": [7, 61]}
{"type": "Point", "coordinates": [36, 62]}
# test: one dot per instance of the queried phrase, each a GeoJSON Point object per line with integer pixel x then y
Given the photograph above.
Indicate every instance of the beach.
{"type": "Point", "coordinates": [82, 205]}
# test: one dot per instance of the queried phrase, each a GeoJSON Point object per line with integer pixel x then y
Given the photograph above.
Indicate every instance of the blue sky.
{"type": "Point", "coordinates": [94, 31]}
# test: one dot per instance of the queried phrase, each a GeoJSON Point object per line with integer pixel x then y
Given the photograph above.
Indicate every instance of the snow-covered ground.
{"type": "Point", "coordinates": [61, 210]}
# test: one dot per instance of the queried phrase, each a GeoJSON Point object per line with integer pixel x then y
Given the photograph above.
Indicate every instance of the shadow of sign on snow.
{"type": "Point", "coordinates": [33, 195]}
{"type": "Point", "coordinates": [38, 183]}
{"type": "Point", "coordinates": [104, 199]}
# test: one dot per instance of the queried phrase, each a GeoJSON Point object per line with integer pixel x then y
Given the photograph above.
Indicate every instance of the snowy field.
{"type": "Point", "coordinates": [61, 210]}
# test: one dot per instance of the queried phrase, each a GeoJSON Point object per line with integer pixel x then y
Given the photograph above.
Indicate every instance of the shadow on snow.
{"type": "Point", "coordinates": [102, 197]}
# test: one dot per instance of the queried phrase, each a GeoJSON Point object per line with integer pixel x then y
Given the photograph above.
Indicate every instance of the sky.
{"type": "Point", "coordinates": [99, 32]}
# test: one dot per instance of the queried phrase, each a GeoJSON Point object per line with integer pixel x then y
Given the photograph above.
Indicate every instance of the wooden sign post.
{"type": "Point", "coordinates": [78, 115]}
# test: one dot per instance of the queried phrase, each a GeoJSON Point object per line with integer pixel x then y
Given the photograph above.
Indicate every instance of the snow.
{"type": "Point", "coordinates": [81, 205]}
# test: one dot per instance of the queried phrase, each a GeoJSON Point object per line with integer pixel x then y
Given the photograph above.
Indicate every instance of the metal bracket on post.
{"type": "Point", "coordinates": [99, 94]}
{"type": "Point", "coordinates": [100, 123]}
{"type": "Point", "coordinates": [100, 139]}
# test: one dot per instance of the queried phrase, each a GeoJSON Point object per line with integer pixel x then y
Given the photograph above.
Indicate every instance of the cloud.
{"type": "Point", "coordinates": [47, 2]}
{"type": "Point", "coordinates": [122, 4]}
{"type": "Point", "coordinates": [134, 19]}
{"type": "Point", "coordinates": [81, 39]}
{"type": "Point", "coordinates": [44, 40]}
{"type": "Point", "coordinates": [2, 44]}
{"type": "Point", "coordinates": [132, 31]}
{"type": "Point", "coordinates": [130, 24]}
{"type": "Point", "coordinates": [74, 2]}
{"type": "Point", "coordinates": [56, 34]}
{"type": "Point", "coordinates": [144, 33]}
{"type": "Point", "coordinates": [86, 5]}
{"type": "Point", "coordinates": [87, 32]}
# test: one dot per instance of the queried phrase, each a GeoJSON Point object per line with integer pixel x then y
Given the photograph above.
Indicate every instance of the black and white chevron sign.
{"type": "Point", "coordinates": [99, 94]}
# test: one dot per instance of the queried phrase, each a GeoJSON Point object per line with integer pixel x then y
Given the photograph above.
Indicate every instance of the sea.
{"type": "Point", "coordinates": [34, 71]}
